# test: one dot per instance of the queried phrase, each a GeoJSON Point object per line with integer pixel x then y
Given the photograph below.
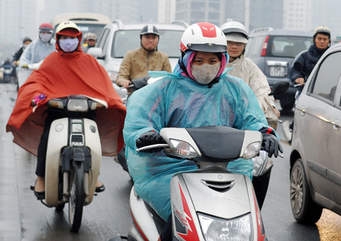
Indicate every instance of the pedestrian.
{"type": "Point", "coordinates": [36, 52]}
{"type": "Point", "coordinates": [62, 74]}
{"type": "Point", "coordinates": [198, 93]}
{"type": "Point", "coordinates": [240, 66]}
{"type": "Point", "coordinates": [138, 62]}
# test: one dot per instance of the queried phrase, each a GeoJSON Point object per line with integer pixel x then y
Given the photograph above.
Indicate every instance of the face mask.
{"type": "Point", "coordinates": [45, 37]}
{"type": "Point", "coordinates": [68, 44]}
{"type": "Point", "coordinates": [205, 73]}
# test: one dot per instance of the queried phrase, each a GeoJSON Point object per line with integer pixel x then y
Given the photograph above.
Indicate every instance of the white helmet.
{"type": "Point", "coordinates": [203, 36]}
{"type": "Point", "coordinates": [235, 32]}
{"type": "Point", "coordinates": [322, 30]}
{"type": "Point", "coordinates": [65, 25]}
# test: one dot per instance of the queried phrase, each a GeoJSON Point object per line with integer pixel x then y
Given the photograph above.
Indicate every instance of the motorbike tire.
{"type": "Point", "coordinates": [77, 197]}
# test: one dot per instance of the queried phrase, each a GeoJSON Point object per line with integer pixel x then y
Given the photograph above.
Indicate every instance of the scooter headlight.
{"type": "Point", "coordinates": [217, 229]}
{"type": "Point", "coordinates": [252, 150]}
{"type": "Point", "coordinates": [79, 105]}
{"type": "Point", "coordinates": [181, 149]}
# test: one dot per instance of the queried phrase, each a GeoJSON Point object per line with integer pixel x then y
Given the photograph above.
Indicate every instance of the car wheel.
{"type": "Point", "coordinates": [303, 208]}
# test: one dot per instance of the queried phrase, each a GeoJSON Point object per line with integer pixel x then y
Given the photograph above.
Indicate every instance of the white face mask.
{"type": "Point", "coordinates": [205, 73]}
{"type": "Point", "coordinates": [68, 44]}
{"type": "Point", "coordinates": [45, 37]}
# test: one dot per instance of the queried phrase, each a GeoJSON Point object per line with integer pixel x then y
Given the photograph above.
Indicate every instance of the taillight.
{"type": "Point", "coordinates": [264, 46]}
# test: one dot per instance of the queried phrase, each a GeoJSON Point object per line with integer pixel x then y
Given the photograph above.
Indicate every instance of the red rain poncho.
{"type": "Point", "coordinates": [62, 74]}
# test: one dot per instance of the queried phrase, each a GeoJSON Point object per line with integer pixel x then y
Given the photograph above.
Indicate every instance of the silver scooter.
{"type": "Point", "coordinates": [73, 156]}
{"type": "Point", "coordinates": [211, 203]}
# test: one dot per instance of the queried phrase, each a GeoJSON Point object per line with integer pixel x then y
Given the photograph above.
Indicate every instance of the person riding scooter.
{"type": "Point", "coordinates": [67, 71]}
{"type": "Point", "coordinates": [198, 93]}
{"type": "Point", "coordinates": [240, 66]}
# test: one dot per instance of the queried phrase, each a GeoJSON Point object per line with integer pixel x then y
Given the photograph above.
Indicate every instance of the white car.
{"type": "Point", "coordinates": [118, 38]}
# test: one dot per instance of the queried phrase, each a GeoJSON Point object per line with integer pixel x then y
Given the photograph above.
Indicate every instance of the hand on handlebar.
{"type": "Point", "coordinates": [38, 99]}
{"type": "Point", "coordinates": [124, 83]}
{"type": "Point", "coordinates": [149, 138]}
{"type": "Point", "coordinates": [299, 81]}
{"type": "Point", "coordinates": [25, 66]}
{"type": "Point", "coordinates": [271, 145]}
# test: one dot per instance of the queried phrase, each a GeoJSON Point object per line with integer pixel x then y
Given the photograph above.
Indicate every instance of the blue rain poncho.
{"type": "Point", "coordinates": [178, 101]}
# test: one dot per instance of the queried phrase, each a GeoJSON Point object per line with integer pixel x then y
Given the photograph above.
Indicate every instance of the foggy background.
{"type": "Point", "coordinates": [20, 18]}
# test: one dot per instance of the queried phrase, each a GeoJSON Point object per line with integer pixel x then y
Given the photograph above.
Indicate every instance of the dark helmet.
{"type": "Point", "coordinates": [45, 27]}
{"type": "Point", "coordinates": [322, 30]}
{"type": "Point", "coordinates": [26, 39]}
{"type": "Point", "coordinates": [149, 29]}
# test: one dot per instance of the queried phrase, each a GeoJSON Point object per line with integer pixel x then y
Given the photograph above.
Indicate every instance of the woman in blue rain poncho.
{"type": "Point", "coordinates": [198, 93]}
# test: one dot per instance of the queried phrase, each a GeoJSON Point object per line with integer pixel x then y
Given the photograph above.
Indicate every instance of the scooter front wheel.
{"type": "Point", "coordinates": [77, 196]}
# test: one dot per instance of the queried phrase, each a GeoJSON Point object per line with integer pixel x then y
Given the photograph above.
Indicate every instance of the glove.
{"type": "Point", "coordinates": [271, 145]}
{"type": "Point", "coordinates": [25, 66]}
{"type": "Point", "coordinates": [149, 138]}
{"type": "Point", "coordinates": [139, 83]}
{"type": "Point", "coordinates": [37, 99]}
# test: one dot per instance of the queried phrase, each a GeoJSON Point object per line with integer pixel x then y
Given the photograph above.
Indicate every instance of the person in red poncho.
{"type": "Point", "coordinates": [67, 71]}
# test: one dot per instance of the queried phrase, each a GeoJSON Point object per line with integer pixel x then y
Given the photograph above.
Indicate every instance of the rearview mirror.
{"type": "Point", "coordinates": [96, 52]}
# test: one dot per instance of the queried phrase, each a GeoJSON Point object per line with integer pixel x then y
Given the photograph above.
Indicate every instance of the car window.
{"type": "Point", "coordinates": [126, 40]}
{"type": "Point", "coordinates": [102, 39]}
{"type": "Point", "coordinates": [288, 46]}
{"type": "Point", "coordinates": [92, 28]}
{"type": "Point", "coordinates": [327, 77]}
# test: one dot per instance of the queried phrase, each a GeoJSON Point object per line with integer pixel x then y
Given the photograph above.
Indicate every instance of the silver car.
{"type": "Point", "coordinates": [315, 164]}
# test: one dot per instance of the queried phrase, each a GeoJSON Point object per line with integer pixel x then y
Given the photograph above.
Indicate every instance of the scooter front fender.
{"type": "Point", "coordinates": [221, 195]}
{"type": "Point", "coordinates": [58, 138]}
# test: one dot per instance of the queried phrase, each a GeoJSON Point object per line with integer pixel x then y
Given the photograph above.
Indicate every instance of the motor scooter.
{"type": "Point", "coordinates": [73, 156]}
{"type": "Point", "coordinates": [7, 69]}
{"type": "Point", "coordinates": [210, 203]}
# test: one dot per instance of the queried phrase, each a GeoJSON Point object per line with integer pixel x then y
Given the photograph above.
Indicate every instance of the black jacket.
{"type": "Point", "coordinates": [18, 54]}
{"type": "Point", "coordinates": [304, 63]}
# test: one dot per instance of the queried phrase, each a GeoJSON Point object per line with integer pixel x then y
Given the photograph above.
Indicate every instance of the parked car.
{"type": "Point", "coordinates": [118, 38]}
{"type": "Point", "coordinates": [273, 51]}
{"type": "Point", "coordinates": [315, 169]}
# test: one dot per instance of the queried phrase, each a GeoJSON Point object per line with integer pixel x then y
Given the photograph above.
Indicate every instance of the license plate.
{"type": "Point", "coordinates": [278, 71]}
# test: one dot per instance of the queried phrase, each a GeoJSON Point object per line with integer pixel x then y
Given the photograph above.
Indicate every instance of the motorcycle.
{"type": "Point", "coordinates": [210, 203]}
{"type": "Point", "coordinates": [73, 156]}
{"type": "Point", "coordinates": [7, 69]}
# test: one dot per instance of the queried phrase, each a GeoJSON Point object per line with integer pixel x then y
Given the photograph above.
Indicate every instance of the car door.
{"type": "Point", "coordinates": [318, 118]}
